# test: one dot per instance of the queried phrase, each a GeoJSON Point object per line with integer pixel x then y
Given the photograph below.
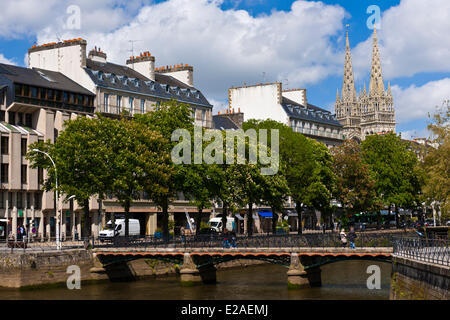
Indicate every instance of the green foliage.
{"type": "Point", "coordinates": [394, 168]}
{"type": "Point", "coordinates": [437, 162]}
{"type": "Point", "coordinates": [355, 188]}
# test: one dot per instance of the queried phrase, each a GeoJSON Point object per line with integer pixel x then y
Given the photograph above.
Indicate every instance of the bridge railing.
{"type": "Point", "coordinates": [256, 241]}
{"type": "Point", "coordinates": [428, 250]}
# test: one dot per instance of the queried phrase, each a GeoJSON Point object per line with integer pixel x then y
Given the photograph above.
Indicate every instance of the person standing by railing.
{"type": "Point", "coordinates": [351, 237]}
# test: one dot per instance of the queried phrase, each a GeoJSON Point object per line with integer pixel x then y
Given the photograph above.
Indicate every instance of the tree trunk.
{"type": "Point", "coordinates": [165, 219]}
{"type": "Point", "coordinates": [378, 220]}
{"type": "Point", "coordinates": [87, 229]}
{"type": "Point", "coordinates": [127, 218]}
{"type": "Point", "coordinates": [274, 221]}
{"type": "Point", "coordinates": [397, 224]}
{"type": "Point", "coordinates": [250, 219]}
{"type": "Point", "coordinates": [299, 217]}
{"type": "Point", "coordinates": [198, 221]}
{"type": "Point", "coordinates": [224, 217]}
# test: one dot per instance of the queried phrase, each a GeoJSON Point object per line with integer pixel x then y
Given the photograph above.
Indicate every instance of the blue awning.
{"type": "Point", "coordinates": [265, 214]}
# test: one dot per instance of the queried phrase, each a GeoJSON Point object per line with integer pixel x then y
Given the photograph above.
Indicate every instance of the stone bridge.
{"type": "Point", "coordinates": [197, 265]}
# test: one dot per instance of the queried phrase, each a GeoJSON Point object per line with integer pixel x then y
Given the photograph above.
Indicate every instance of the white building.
{"type": "Point", "coordinates": [291, 107]}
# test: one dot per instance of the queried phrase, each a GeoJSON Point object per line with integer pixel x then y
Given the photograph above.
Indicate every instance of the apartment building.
{"type": "Point", "coordinates": [136, 87]}
{"type": "Point", "coordinates": [291, 107]}
{"type": "Point", "coordinates": [34, 104]}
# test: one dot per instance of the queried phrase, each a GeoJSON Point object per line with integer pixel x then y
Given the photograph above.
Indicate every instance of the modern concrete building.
{"type": "Point", "coordinates": [34, 104]}
{"type": "Point", "coordinates": [291, 107]}
{"type": "Point", "coordinates": [137, 87]}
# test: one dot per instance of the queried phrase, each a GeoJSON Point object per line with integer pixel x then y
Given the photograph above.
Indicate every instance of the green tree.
{"type": "Point", "coordinates": [355, 188]}
{"type": "Point", "coordinates": [169, 117]}
{"type": "Point", "coordinates": [395, 169]}
{"type": "Point", "coordinates": [82, 161]}
{"type": "Point", "coordinates": [437, 161]}
{"type": "Point", "coordinates": [138, 161]}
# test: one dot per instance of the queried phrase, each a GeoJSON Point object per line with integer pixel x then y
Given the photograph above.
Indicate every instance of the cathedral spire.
{"type": "Point", "coordinates": [337, 96]}
{"type": "Point", "coordinates": [348, 88]}
{"type": "Point", "coordinates": [389, 93]}
{"type": "Point", "coordinates": [376, 86]}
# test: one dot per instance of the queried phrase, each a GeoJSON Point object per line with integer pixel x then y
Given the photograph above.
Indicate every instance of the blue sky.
{"type": "Point", "coordinates": [229, 42]}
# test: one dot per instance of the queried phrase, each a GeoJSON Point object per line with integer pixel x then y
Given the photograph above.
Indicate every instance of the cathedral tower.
{"type": "Point", "coordinates": [371, 112]}
{"type": "Point", "coordinates": [347, 107]}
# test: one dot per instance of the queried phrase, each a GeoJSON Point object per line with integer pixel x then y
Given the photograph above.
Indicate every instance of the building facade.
{"type": "Point", "coordinates": [134, 88]}
{"type": "Point", "coordinates": [291, 107]}
{"type": "Point", "coordinates": [369, 112]}
{"type": "Point", "coordinates": [34, 104]}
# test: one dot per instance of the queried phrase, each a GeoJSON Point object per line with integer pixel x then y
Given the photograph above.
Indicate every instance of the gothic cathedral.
{"type": "Point", "coordinates": [365, 114]}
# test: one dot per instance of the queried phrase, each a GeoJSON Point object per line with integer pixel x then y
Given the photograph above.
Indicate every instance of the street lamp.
{"type": "Point", "coordinates": [58, 245]}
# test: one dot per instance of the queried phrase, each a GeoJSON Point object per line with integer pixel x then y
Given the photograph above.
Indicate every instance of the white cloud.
{"type": "Point", "coordinates": [414, 103]}
{"type": "Point", "coordinates": [414, 38]}
{"type": "Point", "coordinates": [227, 47]}
{"type": "Point", "coordinates": [31, 17]}
{"type": "Point", "coordinates": [3, 59]}
{"type": "Point", "coordinates": [416, 133]}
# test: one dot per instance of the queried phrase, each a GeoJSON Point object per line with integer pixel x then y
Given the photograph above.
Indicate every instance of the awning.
{"type": "Point", "coordinates": [265, 214]}
{"type": "Point", "coordinates": [238, 216]}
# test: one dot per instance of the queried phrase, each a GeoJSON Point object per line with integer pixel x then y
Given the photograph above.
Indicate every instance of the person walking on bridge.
{"type": "Point", "coordinates": [343, 237]}
{"type": "Point", "coordinates": [351, 237]}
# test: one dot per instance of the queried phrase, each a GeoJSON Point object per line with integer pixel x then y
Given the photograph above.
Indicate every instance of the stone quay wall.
{"type": "Point", "coordinates": [418, 280]}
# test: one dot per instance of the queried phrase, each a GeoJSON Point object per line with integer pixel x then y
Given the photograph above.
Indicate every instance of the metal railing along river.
{"type": "Point", "coordinates": [428, 250]}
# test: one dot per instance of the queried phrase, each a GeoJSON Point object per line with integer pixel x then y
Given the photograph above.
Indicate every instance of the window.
{"type": "Point", "coordinates": [23, 146]}
{"type": "Point", "coordinates": [12, 117]}
{"type": "Point", "coordinates": [79, 99]}
{"type": "Point", "coordinates": [19, 200]}
{"type": "Point", "coordinates": [2, 200]}
{"type": "Point", "coordinates": [28, 200]}
{"type": "Point", "coordinates": [28, 120]}
{"type": "Point", "coordinates": [23, 174]}
{"type": "Point", "coordinates": [193, 113]}
{"type": "Point", "coordinates": [2, 115]}
{"type": "Point", "coordinates": [142, 106]}
{"type": "Point", "coordinates": [203, 115]}
{"type": "Point", "coordinates": [34, 92]}
{"type": "Point", "coordinates": [119, 104]}
{"type": "Point", "coordinates": [58, 95]}
{"type": "Point", "coordinates": [26, 91]}
{"type": "Point", "coordinates": [37, 200]}
{"type": "Point", "coordinates": [42, 93]}
{"type": "Point", "coordinates": [50, 94]}
{"type": "Point", "coordinates": [40, 175]}
{"type": "Point", "coordinates": [72, 98]}
{"type": "Point", "coordinates": [18, 89]}
{"type": "Point", "coordinates": [20, 118]}
{"type": "Point", "coordinates": [5, 145]}
{"type": "Point", "coordinates": [130, 104]}
{"type": "Point", "coordinates": [4, 174]}
{"type": "Point", "coordinates": [66, 97]}
{"type": "Point", "coordinates": [105, 102]}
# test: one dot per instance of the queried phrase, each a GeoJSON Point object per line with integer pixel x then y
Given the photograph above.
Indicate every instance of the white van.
{"type": "Point", "coordinates": [108, 233]}
{"type": "Point", "coordinates": [216, 224]}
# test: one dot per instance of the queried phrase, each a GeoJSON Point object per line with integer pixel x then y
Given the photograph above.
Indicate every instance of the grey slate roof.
{"type": "Point", "coordinates": [114, 76]}
{"type": "Point", "coordinates": [223, 123]}
{"type": "Point", "coordinates": [309, 113]}
{"type": "Point", "coordinates": [41, 78]}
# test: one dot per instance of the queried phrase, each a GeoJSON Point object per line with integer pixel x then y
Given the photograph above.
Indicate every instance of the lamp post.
{"type": "Point", "coordinates": [58, 244]}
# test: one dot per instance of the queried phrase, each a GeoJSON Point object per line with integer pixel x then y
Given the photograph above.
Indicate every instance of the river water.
{"type": "Point", "coordinates": [340, 280]}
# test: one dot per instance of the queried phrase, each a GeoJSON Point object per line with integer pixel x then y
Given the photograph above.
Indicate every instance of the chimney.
{"type": "Point", "coordinates": [144, 64]}
{"type": "Point", "coordinates": [182, 72]}
{"type": "Point", "coordinates": [97, 55]}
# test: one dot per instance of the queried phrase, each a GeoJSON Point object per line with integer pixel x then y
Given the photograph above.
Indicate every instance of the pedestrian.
{"type": "Point", "coordinates": [182, 233]}
{"type": "Point", "coordinates": [226, 239]}
{"type": "Point", "coordinates": [233, 238]}
{"type": "Point", "coordinates": [33, 233]}
{"type": "Point", "coordinates": [343, 237]}
{"type": "Point", "coordinates": [351, 237]}
{"type": "Point", "coordinates": [19, 234]}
